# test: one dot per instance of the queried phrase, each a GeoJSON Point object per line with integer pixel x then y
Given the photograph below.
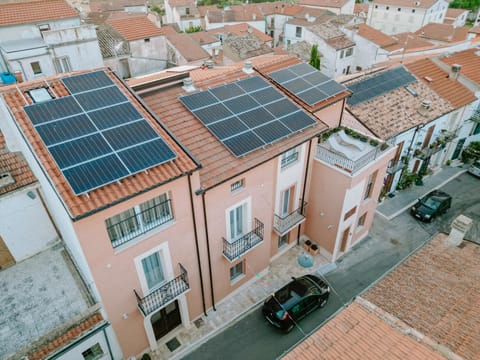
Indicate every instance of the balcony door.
{"type": "Point", "coordinates": [287, 202]}
{"type": "Point", "coordinates": [165, 320]}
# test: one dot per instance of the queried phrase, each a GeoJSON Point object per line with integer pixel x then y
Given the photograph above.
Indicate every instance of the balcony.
{"type": "Point", "coordinates": [232, 250]}
{"type": "Point", "coordinates": [399, 166]}
{"type": "Point", "coordinates": [436, 146]}
{"type": "Point", "coordinates": [283, 224]}
{"type": "Point", "coordinates": [164, 294]}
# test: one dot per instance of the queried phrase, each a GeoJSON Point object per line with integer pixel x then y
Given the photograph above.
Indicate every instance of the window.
{"type": "Point", "coordinates": [361, 221]}
{"type": "Point", "coordinates": [289, 157]}
{"type": "Point", "coordinates": [138, 220]}
{"type": "Point", "coordinates": [236, 271]}
{"type": "Point", "coordinates": [376, 6]}
{"type": "Point", "coordinates": [238, 223]}
{"type": "Point", "coordinates": [399, 9]}
{"type": "Point", "coordinates": [62, 64]}
{"type": "Point", "coordinates": [349, 52]}
{"type": "Point", "coordinates": [285, 206]}
{"type": "Point", "coordinates": [36, 68]}
{"type": "Point", "coordinates": [413, 10]}
{"type": "Point", "coordinates": [369, 188]}
{"type": "Point", "coordinates": [350, 213]}
{"type": "Point", "coordinates": [237, 185]}
{"type": "Point", "coordinates": [187, 11]}
{"type": "Point", "coordinates": [342, 54]}
{"type": "Point", "coordinates": [147, 40]}
{"type": "Point", "coordinates": [282, 240]}
{"type": "Point", "coordinates": [476, 129]}
{"type": "Point", "coordinates": [298, 31]}
{"type": "Point", "coordinates": [153, 270]}
{"type": "Point", "coordinates": [95, 352]}
{"type": "Point", "coordinates": [43, 27]}
{"type": "Point", "coordinates": [388, 8]}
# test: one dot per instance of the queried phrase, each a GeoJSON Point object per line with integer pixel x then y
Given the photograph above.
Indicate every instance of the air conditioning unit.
{"type": "Point", "coordinates": [456, 68]}
{"type": "Point", "coordinates": [6, 179]}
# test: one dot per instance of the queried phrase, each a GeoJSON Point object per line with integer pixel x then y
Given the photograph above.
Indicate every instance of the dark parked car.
{"type": "Point", "coordinates": [474, 169]}
{"type": "Point", "coordinates": [431, 205]}
{"type": "Point", "coordinates": [295, 300]}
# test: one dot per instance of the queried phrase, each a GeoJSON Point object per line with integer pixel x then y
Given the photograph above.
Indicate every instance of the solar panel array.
{"type": "Point", "coordinates": [96, 136]}
{"type": "Point", "coordinates": [307, 83]}
{"type": "Point", "coordinates": [247, 114]}
{"type": "Point", "coordinates": [378, 85]}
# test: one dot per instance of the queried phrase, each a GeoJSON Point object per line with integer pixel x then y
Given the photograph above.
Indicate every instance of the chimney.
{"type": "Point", "coordinates": [455, 70]}
{"type": "Point", "coordinates": [460, 226]}
{"type": "Point", "coordinates": [424, 107]}
{"type": "Point", "coordinates": [18, 75]}
{"type": "Point", "coordinates": [248, 67]}
{"type": "Point", "coordinates": [209, 64]}
{"type": "Point", "coordinates": [188, 85]}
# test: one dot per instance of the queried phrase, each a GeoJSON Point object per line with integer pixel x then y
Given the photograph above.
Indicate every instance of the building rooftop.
{"type": "Point", "coordinates": [239, 13]}
{"type": "Point", "coordinates": [188, 47]}
{"type": "Point", "coordinates": [455, 13]}
{"type": "Point", "coordinates": [78, 206]}
{"type": "Point", "coordinates": [218, 163]}
{"type": "Point", "coordinates": [436, 291]}
{"type": "Point", "coordinates": [135, 27]}
{"type": "Point", "coordinates": [14, 13]}
{"type": "Point", "coordinates": [323, 3]}
{"type": "Point", "coordinates": [411, 41]}
{"type": "Point", "coordinates": [439, 81]}
{"type": "Point", "coordinates": [360, 8]}
{"type": "Point", "coordinates": [332, 35]}
{"type": "Point", "coordinates": [362, 332]}
{"type": "Point", "coordinates": [422, 4]}
{"type": "Point", "coordinates": [443, 32]}
{"type": "Point", "coordinates": [391, 113]}
{"type": "Point", "coordinates": [376, 36]}
{"type": "Point", "coordinates": [470, 62]}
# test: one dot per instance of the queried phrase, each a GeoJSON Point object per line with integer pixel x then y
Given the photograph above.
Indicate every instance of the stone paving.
{"type": "Point", "coordinates": [239, 303]}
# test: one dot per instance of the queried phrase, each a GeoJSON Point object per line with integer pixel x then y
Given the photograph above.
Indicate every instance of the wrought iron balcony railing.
{"type": "Point", "coordinates": [283, 224]}
{"type": "Point", "coordinates": [234, 249]}
{"type": "Point", "coordinates": [398, 166]}
{"type": "Point", "coordinates": [164, 294]}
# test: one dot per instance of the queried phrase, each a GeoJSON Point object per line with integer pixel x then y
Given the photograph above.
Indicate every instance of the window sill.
{"type": "Point", "coordinates": [140, 238]}
{"type": "Point", "coordinates": [237, 279]}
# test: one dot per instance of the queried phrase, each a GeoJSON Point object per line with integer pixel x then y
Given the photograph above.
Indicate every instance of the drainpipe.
{"type": "Point", "coordinates": [108, 343]}
{"type": "Point", "coordinates": [208, 250]}
{"type": "Point", "coordinates": [196, 243]}
{"type": "Point", "coordinates": [304, 187]}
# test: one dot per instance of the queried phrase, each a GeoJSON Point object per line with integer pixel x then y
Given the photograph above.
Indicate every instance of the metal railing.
{"type": "Point", "coordinates": [164, 294]}
{"type": "Point", "coordinates": [291, 158]}
{"type": "Point", "coordinates": [399, 165]}
{"type": "Point", "coordinates": [234, 249]}
{"type": "Point", "coordinates": [140, 223]}
{"type": "Point", "coordinates": [342, 162]}
{"type": "Point", "coordinates": [283, 224]}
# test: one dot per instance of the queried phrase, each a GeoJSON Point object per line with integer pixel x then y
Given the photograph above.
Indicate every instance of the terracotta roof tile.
{"type": "Point", "coordinates": [188, 47]}
{"type": "Point", "coordinates": [470, 62]}
{"type": "Point", "coordinates": [437, 292]}
{"type": "Point", "coordinates": [80, 206]}
{"type": "Point", "coordinates": [323, 3]}
{"type": "Point", "coordinates": [218, 164]}
{"type": "Point", "coordinates": [443, 32]}
{"type": "Point", "coordinates": [135, 28]}
{"type": "Point", "coordinates": [396, 111]}
{"type": "Point", "coordinates": [422, 4]}
{"type": "Point", "coordinates": [455, 13]}
{"type": "Point", "coordinates": [34, 11]}
{"type": "Point", "coordinates": [375, 36]}
{"type": "Point", "coordinates": [438, 80]}
{"type": "Point", "coordinates": [369, 337]}
{"type": "Point", "coordinates": [359, 8]}
{"type": "Point", "coordinates": [412, 41]}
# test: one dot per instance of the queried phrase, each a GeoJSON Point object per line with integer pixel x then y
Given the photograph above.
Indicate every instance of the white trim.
{"type": "Point", "coordinates": [165, 261]}
{"type": "Point", "coordinates": [247, 215]}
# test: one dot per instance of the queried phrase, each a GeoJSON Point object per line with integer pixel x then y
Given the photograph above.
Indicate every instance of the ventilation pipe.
{"type": "Point", "coordinates": [188, 85]}
{"type": "Point", "coordinates": [248, 67]}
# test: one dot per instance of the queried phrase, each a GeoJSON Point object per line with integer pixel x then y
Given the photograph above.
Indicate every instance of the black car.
{"type": "Point", "coordinates": [295, 300]}
{"type": "Point", "coordinates": [431, 205]}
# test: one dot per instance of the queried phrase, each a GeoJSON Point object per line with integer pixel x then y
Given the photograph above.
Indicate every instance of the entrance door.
{"type": "Point", "coordinates": [458, 149]}
{"type": "Point", "coordinates": [6, 258]}
{"type": "Point", "coordinates": [343, 246]}
{"type": "Point", "coordinates": [166, 320]}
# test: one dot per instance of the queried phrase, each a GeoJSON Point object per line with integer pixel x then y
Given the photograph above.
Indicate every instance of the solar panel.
{"type": "Point", "coordinates": [307, 83]}
{"type": "Point", "coordinates": [378, 85]}
{"type": "Point", "coordinates": [247, 115]}
{"type": "Point", "coordinates": [96, 136]}
{"type": "Point", "coordinates": [85, 82]}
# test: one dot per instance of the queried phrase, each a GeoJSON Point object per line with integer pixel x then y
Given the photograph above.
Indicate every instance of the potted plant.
{"type": "Point", "coordinates": [307, 244]}
{"type": "Point", "coordinates": [314, 250]}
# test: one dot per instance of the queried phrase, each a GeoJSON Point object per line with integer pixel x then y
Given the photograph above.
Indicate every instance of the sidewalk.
{"type": "Point", "coordinates": [392, 207]}
{"type": "Point", "coordinates": [238, 304]}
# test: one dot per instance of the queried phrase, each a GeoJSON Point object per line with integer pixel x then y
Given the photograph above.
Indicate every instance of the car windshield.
{"type": "Point", "coordinates": [431, 202]}
{"type": "Point", "coordinates": [289, 295]}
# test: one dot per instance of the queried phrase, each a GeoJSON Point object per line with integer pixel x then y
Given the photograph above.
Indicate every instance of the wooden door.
{"type": "Point", "coordinates": [166, 320]}
{"type": "Point", "coordinates": [6, 258]}
{"type": "Point", "coordinates": [345, 240]}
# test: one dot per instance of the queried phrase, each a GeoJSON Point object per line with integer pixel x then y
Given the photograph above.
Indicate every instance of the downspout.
{"type": "Point", "coordinates": [196, 243]}
{"type": "Point", "coordinates": [108, 343]}
{"type": "Point", "coordinates": [208, 250]}
{"type": "Point", "coordinates": [304, 187]}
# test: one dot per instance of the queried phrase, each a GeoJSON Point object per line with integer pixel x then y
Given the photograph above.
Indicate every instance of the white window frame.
{"type": "Point", "coordinates": [62, 64]}
{"type": "Point", "coordinates": [247, 218]}
{"type": "Point", "coordinates": [39, 66]}
{"type": "Point", "coordinates": [166, 262]}
{"type": "Point", "coordinates": [288, 153]}
{"type": "Point", "coordinates": [239, 275]}
{"type": "Point", "coordinates": [98, 356]}
{"type": "Point", "coordinates": [285, 194]}
{"type": "Point", "coordinates": [298, 31]}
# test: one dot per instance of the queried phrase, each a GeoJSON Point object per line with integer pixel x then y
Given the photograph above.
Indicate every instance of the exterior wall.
{"type": "Point", "coordinates": [347, 8]}
{"type": "Point", "coordinates": [290, 35]}
{"type": "Point", "coordinates": [147, 57]}
{"type": "Point", "coordinates": [329, 55]}
{"type": "Point", "coordinates": [408, 19]}
{"type": "Point", "coordinates": [278, 27]}
{"type": "Point", "coordinates": [117, 275]}
{"type": "Point", "coordinates": [331, 115]}
{"type": "Point", "coordinates": [257, 24]}
{"type": "Point", "coordinates": [188, 23]}
{"type": "Point", "coordinates": [24, 223]}
{"type": "Point", "coordinates": [31, 31]}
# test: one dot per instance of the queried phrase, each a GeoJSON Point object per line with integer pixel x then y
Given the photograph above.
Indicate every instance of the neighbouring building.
{"type": "Point", "coordinates": [337, 7]}
{"type": "Point", "coordinates": [49, 40]}
{"type": "Point", "coordinates": [456, 17]}
{"type": "Point", "coordinates": [397, 16]}
{"type": "Point", "coordinates": [184, 13]}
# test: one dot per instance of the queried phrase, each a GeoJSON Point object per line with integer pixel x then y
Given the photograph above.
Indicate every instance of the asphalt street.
{"type": "Point", "coordinates": [387, 245]}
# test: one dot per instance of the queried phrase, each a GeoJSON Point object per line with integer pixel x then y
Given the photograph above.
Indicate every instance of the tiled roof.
{"type": "Point", "coordinates": [470, 62]}
{"type": "Point", "coordinates": [411, 41]}
{"type": "Point", "coordinates": [188, 47]}
{"type": "Point", "coordinates": [359, 332]}
{"type": "Point", "coordinates": [81, 206]}
{"type": "Point", "coordinates": [332, 35]}
{"type": "Point", "coordinates": [204, 37]}
{"type": "Point", "coordinates": [475, 30]}
{"type": "Point", "coordinates": [239, 13]}
{"type": "Point", "coordinates": [34, 11]}
{"type": "Point", "coordinates": [396, 111]}
{"type": "Point", "coordinates": [438, 80]}
{"type": "Point", "coordinates": [421, 4]}
{"type": "Point", "coordinates": [135, 27]}
{"type": "Point", "coordinates": [181, 3]}
{"type": "Point", "coordinates": [437, 292]}
{"type": "Point", "coordinates": [244, 29]}
{"type": "Point", "coordinates": [323, 3]}
{"type": "Point", "coordinates": [218, 164]}
{"type": "Point", "coordinates": [16, 166]}
{"type": "Point", "coordinates": [70, 335]}
{"type": "Point", "coordinates": [359, 8]}
{"type": "Point", "coordinates": [454, 13]}
{"type": "Point", "coordinates": [375, 36]}
{"type": "Point", "coordinates": [443, 32]}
